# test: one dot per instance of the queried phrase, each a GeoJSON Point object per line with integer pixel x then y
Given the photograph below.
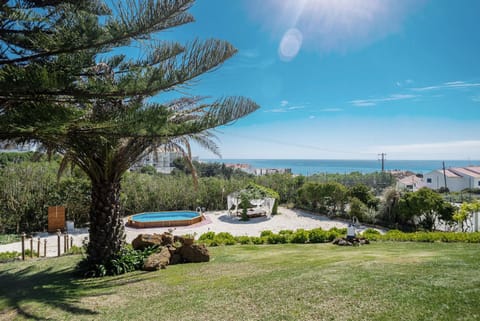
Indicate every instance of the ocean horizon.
{"type": "Point", "coordinates": [344, 166]}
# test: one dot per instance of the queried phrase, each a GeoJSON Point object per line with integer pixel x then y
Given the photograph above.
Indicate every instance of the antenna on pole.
{"type": "Point", "coordinates": [383, 158]}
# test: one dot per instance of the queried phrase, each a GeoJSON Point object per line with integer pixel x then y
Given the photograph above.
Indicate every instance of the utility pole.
{"type": "Point", "coordinates": [444, 176]}
{"type": "Point", "coordinates": [383, 158]}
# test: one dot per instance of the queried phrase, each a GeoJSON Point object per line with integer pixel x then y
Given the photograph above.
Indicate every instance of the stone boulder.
{"type": "Point", "coordinates": [184, 240]}
{"type": "Point", "coordinates": [157, 261]}
{"type": "Point", "coordinates": [194, 253]}
{"type": "Point", "coordinates": [341, 241]}
{"type": "Point", "coordinates": [173, 250]}
{"type": "Point", "coordinates": [143, 241]}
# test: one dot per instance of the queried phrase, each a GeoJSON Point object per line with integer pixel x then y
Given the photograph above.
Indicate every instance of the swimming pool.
{"type": "Point", "coordinates": [164, 219]}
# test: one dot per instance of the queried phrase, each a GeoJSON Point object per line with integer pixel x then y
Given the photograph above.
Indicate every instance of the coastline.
{"type": "Point", "coordinates": [344, 166]}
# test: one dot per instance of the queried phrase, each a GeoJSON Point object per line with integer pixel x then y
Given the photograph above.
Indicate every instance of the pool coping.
{"type": "Point", "coordinates": [170, 223]}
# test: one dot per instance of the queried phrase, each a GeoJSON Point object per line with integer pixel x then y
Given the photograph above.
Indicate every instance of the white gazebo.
{"type": "Point", "coordinates": [262, 206]}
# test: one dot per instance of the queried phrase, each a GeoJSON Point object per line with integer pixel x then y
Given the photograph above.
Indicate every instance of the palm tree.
{"type": "Point", "coordinates": [64, 83]}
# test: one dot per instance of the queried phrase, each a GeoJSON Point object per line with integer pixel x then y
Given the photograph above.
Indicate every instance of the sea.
{"type": "Point", "coordinates": [345, 166]}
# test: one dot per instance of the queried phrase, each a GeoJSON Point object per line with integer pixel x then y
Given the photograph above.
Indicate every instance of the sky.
{"type": "Point", "coordinates": [344, 79]}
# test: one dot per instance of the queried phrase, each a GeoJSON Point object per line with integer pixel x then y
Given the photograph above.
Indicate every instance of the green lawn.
{"type": "Point", "coordinates": [382, 281]}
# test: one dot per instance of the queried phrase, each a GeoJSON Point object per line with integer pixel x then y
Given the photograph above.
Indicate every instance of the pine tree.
{"type": "Point", "coordinates": [66, 82]}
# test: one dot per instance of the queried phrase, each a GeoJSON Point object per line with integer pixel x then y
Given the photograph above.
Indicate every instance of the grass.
{"type": "Point", "coordinates": [382, 281]}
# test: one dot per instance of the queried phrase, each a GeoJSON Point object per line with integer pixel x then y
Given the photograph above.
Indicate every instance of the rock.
{"type": "Point", "coordinates": [167, 239]}
{"type": "Point", "coordinates": [364, 241]}
{"type": "Point", "coordinates": [195, 253]}
{"type": "Point", "coordinates": [143, 241]}
{"type": "Point", "coordinates": [172, 249]}
{"type": "Point", "coordinates": [184, 240]}
{"type": "Point", "coordinates": [352, 242]}
{"type": "Point", "coordinates": [157, 260]}
{"type": "Point", "coordinates": [176, 259]}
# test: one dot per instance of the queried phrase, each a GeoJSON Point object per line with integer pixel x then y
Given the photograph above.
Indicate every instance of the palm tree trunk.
{"type": "Point", "coordinates": [107, 234]}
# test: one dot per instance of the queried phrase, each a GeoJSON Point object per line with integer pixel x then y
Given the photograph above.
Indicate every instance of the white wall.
{"type": "Point", "coordinates": [454, 184]}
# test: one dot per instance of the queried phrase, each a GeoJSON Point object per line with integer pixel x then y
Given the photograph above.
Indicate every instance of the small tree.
{"type": "Point", "coordinates": [423, 206]}
{"type": "Point", "coordinates": [464, 215]}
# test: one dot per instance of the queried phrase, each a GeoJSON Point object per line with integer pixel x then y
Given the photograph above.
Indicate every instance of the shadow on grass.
{"type": "Point", "coordinates": [52, 288]}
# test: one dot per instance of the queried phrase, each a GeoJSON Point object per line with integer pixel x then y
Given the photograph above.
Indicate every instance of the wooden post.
{"type": "Point", "coordinates": [31, 246]}
{"type": "Point", "coordinates": [71, 241]}
{"type": "Point", "coordinates": [23, 246]}
{"type": "Point", "coordinates": [38, 248]}
{"type": "Point", "coordinates": [45, 248]}
{"type": "Point", "coordinates": [58, 242]}
{"type": "Point", "coordinates": [65, 243]}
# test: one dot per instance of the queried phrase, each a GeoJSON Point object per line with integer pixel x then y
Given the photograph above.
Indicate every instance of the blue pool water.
{"type": "Point", "coordinates": [164, 216]}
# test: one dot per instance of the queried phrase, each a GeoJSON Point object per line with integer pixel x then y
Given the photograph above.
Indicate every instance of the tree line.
{"type": "Point", "coordinates": [28, 187]}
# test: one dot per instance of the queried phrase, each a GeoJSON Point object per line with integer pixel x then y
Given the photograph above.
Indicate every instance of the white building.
{"type": "Point", "coordinates": [162, 161]}
{"type": "Point", "coordinates": [457, 178]}
{"type": "Point", "coordinates": [410, 183]}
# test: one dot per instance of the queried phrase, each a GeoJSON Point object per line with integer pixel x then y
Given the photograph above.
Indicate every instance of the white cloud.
{"type": "Point", "coordinates": [295, 107]}
{"type": "Point", "coordinates": [311, 117]}
{"type": "Point", "coordinates": [331, 110]}
{"type": "Point", "coordinates": [448, 85]}
{"type": "Point", "coordinates": [331, 25]}
{"type": "Point", "coordinates": [447, 149]}
{"type": "Point", "coordinates": [285, 108]}
{"type": "Point", "coordinates": [276, 110]}
{"type": "Point", "coordinates": [404, 83]}
{"type": "Point", "coordinates": [375, 101]}
{"type": "Point", "coordinates": [476, 99]}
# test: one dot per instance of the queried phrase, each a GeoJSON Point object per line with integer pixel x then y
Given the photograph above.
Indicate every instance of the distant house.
{"type": "Point", "coordinates": [267, 171]}
{"type": "Point", "coordinates": [162, 161]}
{"type": "Point", "coordinates": [410, 183]}
{"type": "Point", "coordinates": [457, 178]}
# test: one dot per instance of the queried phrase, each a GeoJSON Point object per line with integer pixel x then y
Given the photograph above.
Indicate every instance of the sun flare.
{"type": "Point", "coordinates": [332, 25]}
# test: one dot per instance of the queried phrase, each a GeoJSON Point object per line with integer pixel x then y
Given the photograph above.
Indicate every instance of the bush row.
{"type": "Point", "coordinates": [301, 236]}
{"type": "Point", "coordinates": [318, 235]}
{"type": "Point", "coordinates": [399, 236]}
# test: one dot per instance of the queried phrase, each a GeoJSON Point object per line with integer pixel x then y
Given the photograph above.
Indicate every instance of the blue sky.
{"type": "Point", "coordinates": [345, 79]}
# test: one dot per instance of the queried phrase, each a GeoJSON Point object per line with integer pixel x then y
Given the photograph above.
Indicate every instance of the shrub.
{"type": "Point", "coordinates": [127, 260]}
{"type": "Point", "coordinates": [256, 240]}
{"type": "Point", "coordinates": [209, 236]}
{"type": "Point", "coordinates": [299, 236]}
{"type": "Point", "coordinates": [9, 256]}
{"type": "Point", "coordinates": [371, 234]}
{"type": "Point", "coordinates": [371, 231]}
{"type": "Point", "coordinates": [318, 235]}
{"type": "Point", "coordinates": [243, 239]}
{"type": "Point", "coordinates": [277, 238]}
{"type": "Point", "coordinates": [74, 250]}
{"type": "Point", "coordinates": [398, 236]}
{"type": "Point", "coordinates": [223, 238]}
{"type": "Point", "coordinates": [266, 233]}
{"type": "Point", "coordinates": [339, 231]}
{"type": "Point", "coordinates": [29, 253]}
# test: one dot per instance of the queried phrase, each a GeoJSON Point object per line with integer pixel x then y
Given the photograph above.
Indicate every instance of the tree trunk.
{"type": "Point", "coordinates": [107, 234]}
